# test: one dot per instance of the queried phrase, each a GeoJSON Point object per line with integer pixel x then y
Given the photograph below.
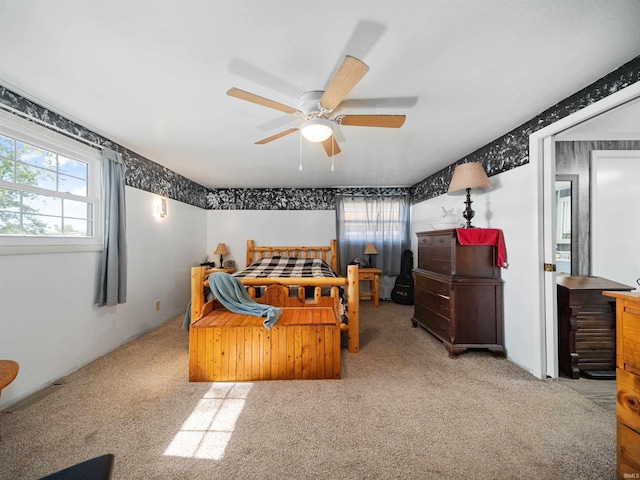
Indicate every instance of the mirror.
{"type": "Point", "coordinates": [566, 191]}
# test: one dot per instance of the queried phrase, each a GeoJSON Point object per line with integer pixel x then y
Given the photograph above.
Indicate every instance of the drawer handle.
{"type": "Point", "coordinates": [442, 240]}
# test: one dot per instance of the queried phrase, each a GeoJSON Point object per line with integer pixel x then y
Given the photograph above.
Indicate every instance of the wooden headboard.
{"type": "Point", "coordinates": [327, 253]}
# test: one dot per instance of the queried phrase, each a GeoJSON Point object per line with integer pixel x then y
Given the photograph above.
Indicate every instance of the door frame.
{"type": "Point", "coordinates": [542, 159]}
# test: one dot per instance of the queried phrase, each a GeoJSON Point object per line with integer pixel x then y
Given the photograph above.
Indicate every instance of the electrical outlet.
{"type": "Point", "coordinates": [157, 305]}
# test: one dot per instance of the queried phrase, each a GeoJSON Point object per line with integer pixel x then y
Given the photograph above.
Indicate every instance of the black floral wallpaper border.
{"type": "Point", "coordinates": [507, 152]}
{"type": "Point", "coordinates": [287, 198]}
{"type": "Point", "coordinates": [512, 150]}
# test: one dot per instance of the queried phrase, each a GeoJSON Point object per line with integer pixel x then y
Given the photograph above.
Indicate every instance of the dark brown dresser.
{"type": "Point", "coordinates": [587, 326]}
{"type": "Point", "coordinates": [458, 293]}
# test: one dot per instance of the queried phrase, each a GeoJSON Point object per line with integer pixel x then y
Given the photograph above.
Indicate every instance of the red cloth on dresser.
{"type": "Point", "coordinates": [485, 236]}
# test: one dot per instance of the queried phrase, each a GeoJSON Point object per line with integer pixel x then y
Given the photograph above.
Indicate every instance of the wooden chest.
{"type": "Point", "coordinates": [303, 344]}
{"type": "Point", "coordinates": [586, 324]}
{"type": "Point", "coordinates": [458, 292]}
{"type": "Point", "coordinates": [627, 383]}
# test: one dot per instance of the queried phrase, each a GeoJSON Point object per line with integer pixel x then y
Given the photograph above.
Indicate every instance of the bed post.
{"type": "Point", "coordinates": [249, 253]}
{"type": "Point", "coordinates": [197, 293]}
{"type": "Point", "coordinates": [353, 299]}
{"type": "Point", "coordinates": [334, 255]}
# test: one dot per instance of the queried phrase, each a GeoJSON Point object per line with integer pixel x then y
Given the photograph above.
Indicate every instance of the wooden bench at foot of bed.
{"type": "Point", "coordinates": [303, 344]}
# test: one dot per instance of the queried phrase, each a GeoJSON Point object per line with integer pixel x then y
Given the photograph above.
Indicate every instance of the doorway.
{"type": "Point", "coordinates": [542, 157]}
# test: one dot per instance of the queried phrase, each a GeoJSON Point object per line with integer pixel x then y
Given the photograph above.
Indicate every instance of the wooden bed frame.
{"type": "Point", "coordinates": [198, 339]}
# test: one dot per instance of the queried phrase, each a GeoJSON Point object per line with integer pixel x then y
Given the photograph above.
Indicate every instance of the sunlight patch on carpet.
{"type": "Point", "coordinates": [208, 430]}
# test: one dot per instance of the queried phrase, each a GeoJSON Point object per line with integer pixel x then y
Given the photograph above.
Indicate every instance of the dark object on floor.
{"type": "Point", "coordinates": [99, 468]}
{"type": "Point", "coordinates": [599, 374]}
{"type": "Point", "coordinates": [402, 292]}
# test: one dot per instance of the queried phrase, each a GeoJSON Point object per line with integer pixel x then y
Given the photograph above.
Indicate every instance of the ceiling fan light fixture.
{"type": "Point", "coordinates": [317, 130]}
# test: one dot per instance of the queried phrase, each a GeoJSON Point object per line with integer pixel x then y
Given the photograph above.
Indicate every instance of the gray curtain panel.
{"type": "Point", "coordinates": [113, 274]}
{"type": "Point", "coordinates": [381, 219]}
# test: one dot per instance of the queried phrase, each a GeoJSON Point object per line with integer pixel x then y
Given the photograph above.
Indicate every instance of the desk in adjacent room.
{"type": "Point", "coordinates": [586, 325]}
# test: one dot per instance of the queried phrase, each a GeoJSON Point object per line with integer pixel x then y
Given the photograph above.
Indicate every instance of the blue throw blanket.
{"type": "Point", "coordinates": [234, 297]}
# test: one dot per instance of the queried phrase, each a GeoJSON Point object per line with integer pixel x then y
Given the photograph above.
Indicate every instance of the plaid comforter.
{"type": "Point", "coordinates": [287, 267]}
{"type": "Point", "coordinates": [294, 267]}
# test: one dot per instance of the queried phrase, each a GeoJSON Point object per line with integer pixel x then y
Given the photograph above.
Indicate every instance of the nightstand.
{"type": "Point", "coordinates": [225, 270]}
{"type": "Point", "coordinates": [373, 276]}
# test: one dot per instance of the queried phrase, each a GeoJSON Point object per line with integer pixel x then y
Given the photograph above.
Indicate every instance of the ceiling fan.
{"type": "Point", "coordinates": [315, 108]}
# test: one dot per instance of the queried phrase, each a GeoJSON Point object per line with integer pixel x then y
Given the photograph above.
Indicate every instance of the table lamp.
{"type": "Point", "coordinates": [465, 177]}
{"type": "Point", "coordinates": [221, 250]}
{"type": "Point", "coordinates": [370, 250]}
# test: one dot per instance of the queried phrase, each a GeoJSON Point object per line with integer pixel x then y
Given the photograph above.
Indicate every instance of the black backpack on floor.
{"type": "Point", "coordinates": [403, 289]}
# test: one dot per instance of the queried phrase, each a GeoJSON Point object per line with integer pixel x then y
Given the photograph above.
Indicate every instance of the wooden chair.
{"type": "Point", "coordinates": [8, 372]}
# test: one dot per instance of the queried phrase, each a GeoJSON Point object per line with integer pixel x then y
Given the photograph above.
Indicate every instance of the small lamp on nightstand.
{"type": "Point", "coordinates": [221, 250]}
{"type": "Point", "coordinates": [370, 250]}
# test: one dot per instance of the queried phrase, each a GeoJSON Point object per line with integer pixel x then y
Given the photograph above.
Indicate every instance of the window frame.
{"type": "Point", "coordinates": [29, 132]}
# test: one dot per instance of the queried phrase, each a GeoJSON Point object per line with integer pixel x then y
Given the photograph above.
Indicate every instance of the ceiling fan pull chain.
{"type": "Point", "coordinates": [333, 156]}
{"type": "Point", "coordinates": [300, 166]}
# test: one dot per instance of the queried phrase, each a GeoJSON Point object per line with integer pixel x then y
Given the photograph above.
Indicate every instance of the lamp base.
{"type": "Point", "coordinates": [371, 261]}
{"type": "Point", "coordinates": [468, 213]}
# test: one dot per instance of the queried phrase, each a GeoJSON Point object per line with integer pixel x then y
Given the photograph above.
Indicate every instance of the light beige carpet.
{"type": "Point", "coordinates": [403, 410]}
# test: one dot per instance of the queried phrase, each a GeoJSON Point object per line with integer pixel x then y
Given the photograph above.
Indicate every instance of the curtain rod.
{"type": "Point", "coordinates": [51, 127]}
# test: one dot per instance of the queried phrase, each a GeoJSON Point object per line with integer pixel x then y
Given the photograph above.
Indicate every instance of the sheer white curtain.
{"type": "Point", "coordinates": [113, 275]}
{"type": "Point", "coordinates": [382, 219]}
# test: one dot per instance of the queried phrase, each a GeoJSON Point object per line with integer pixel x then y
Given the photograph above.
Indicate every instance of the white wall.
{"type": "Point", "coordinates": [268, 228]}
{"type": "Point", "coordinates": [508, 207]}
{"type": "Point", "coordinates": [48, 321]}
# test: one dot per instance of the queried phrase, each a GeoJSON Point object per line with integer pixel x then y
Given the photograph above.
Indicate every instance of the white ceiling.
{"type": "Point", "coordinates": [152, 76]}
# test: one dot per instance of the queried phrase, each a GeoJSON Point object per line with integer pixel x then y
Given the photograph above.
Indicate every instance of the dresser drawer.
{"type": "Point", "coordinates": [431, 285]}
{"type": "Point", "coordinates": [435, 240]}
{"type": "Point", "coordinates": [441, 267]}
{"type": "Point", "coordinates": [435, 303]}
{"type": "Point", "coordinates": [436, 253]}
{"type": "Point", "coordinates": [436, 324]}
{"type": "Point", "coordinates": [366, 276]}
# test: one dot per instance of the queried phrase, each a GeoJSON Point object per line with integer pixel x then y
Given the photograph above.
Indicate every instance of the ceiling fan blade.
{"type": "Point", "coordinates": [348, 75]}
{"type": "Point", "coordinates": [276, 136]}
{"type": "Point", "coordinates": [331, 146]}
{"type": "Point", "coordinates": [388, 121]}
{"type": "Point", "coordinates": [265, 102]}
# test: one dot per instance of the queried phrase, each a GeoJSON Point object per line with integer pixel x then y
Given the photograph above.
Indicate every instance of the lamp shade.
{"type": "Point", "coordinates": [317, 130]}
{"type": "Point", "coordinates": [468, 175]}
{"type": "Point", "coordinates": [370, 249]}
{"type": "Point", "coordinates": [221, 249]}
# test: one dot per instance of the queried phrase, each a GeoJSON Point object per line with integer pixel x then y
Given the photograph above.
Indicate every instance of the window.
{"type": "Point", "coordinates": [368, 220]}
{"type": "Point", "coordinates": [380, 219]}
{"type": "Point", "coordinates": [49, 190]}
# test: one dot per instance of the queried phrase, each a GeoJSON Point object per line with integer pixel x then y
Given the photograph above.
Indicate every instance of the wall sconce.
{"type": "Point", "coordinates": [221, 250]}
{"type": "Point", "coordinates": [160, 207]}
{"type": "Point", "coordinates": [465, 177]}
{"type": "Point", "coordinates": [370, 250]}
